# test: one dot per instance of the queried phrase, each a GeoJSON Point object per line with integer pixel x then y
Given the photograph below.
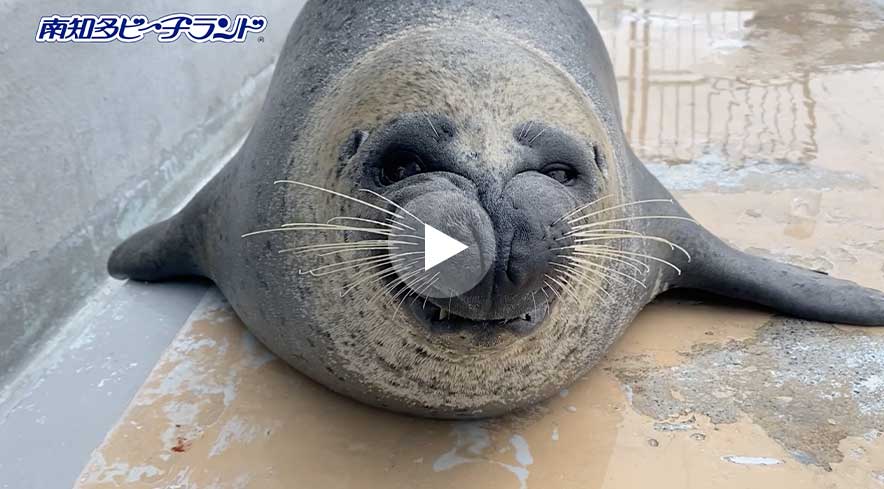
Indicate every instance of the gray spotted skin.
{"type": "Point", "coordinates": [356, 77]}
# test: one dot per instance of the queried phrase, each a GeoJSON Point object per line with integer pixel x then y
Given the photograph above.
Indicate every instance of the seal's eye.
{"type": "Point", "coordinates": [560, 172]}
{"type": "Point", "coordinates": [399, 165]}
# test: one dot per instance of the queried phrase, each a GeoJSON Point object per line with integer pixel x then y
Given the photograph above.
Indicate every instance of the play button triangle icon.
{"type": "Point", "coordinates": [439, 247]}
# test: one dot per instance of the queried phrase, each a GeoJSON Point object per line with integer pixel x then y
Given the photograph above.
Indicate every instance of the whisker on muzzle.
{"type": "Point", "coordinates": [396, 236]}
{"type": "Point", "coordinates": [591, 255]}
{"type": "Point", "coordinates": [378, 276]}
{"type": "Point", "coordinates": [392, 225]}
{"type": "Point", "coordinates": [581, 209]}
{"type": "Point", "coordinates": [338, 194]}
{"type": "Point", "coordinates": [620, 206]}
{"type": "Point", "coordinates": [583, 278]}
{"type": "Point", "coordinates": [354, 263]}
{"type": "Point", "coordinates": [637, 265]}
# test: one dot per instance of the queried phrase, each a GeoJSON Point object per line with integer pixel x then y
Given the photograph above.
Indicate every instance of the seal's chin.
{"type": "Point", "coordinates": [441, 321]}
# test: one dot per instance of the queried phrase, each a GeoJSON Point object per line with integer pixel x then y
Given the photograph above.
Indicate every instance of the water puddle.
{"type": "Point", "coordinates": [730, 85]}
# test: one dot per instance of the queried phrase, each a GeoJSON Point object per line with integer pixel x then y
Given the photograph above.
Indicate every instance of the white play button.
{"type": "Point", "coordinates": [439, 247]}
{"type": "Point", "coordinates": [455, 259]}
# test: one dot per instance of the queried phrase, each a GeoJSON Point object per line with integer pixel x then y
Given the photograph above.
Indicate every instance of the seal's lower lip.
{"type": "Point", "coordinates": [441, 321]}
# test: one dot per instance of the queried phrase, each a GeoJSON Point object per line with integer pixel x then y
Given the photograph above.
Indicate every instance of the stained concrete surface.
{"type": "Point", "coordinates": [220, 411]}
{"type": "Point", "coordinates": [766, 121]}
{"type": "Point", "coordinates": [55, 414]}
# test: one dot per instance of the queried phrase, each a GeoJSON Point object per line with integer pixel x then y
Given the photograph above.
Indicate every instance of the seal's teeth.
{"type": "Point", "coordinates": [443, 314]}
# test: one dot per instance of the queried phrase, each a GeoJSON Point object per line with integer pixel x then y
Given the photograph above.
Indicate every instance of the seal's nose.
{"type": "Point", "coordinates": [448, 216]}
{"type": "Point", "coordinates": [509, 256]}
{"type": "Point", "coordinates": [507, 248]}
{"type": "Point", "coordinates": [527, 260]}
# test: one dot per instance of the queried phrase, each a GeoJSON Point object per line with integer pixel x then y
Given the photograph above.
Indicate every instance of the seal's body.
{"type": "Point", "coordinates": [497, 124]}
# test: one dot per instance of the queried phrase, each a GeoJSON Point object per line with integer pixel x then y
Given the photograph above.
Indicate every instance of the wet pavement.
{"type": "Point", "coordinates": [766, 121]}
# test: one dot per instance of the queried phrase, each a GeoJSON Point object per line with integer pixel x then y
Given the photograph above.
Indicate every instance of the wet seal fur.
{"type": "Point", "coordinates": [503, 116]}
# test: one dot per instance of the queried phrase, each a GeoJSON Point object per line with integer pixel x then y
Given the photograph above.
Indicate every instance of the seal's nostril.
{"type": "Point", "coordinates": [526, 263]}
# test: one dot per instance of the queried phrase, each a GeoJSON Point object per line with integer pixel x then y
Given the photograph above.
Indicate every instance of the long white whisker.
{"type": "Point", "coordinates": [426, 297]}
{"type": "Point", "coordinates": [361, 248]}
{"type": "Point", "coordinates": [355, 245]}
{"type": "Point", "coordinates": [338, 194]}
{"type": "Point", "coordinates": [371, 221]}
{"type": "Point", "coordinates": [426, 288]}
{"type": "Point", "coordinates": [583, 279]}
{"type": "Point", "coordinates": [621, 206]}
{"type": "Point", "coordinates": [401, 279]}
{"type": "Point", "coordinates": [354, 263]}
{"type": "Point", "coordinates": [600, 274]}
{"type": "Point", "coordinates": [631, 218]}
{"type": "Point", "coordinates": [590, 263]}
{"type": "Point", "coordinates": [611, 256]}
{"type": "Point", "coordinates": [572, 287]}
{"type": "Point", "coordinates": [672, 245]}
{"type": "Point", "coordinates": [324, 246]}
{"type": "Point", "coordinates": [642, 255]}
{"type": "Point", "coordinates": [411, 288]}
{"type": "Point", "coordinates": [398, 223]}
{"type": "Point", "coordinates": [613, 253]}
{"type": "Point", "coordinates": [548, 299]}
{"type": "Point", "coordinates": [565, 288]}
{"type": "Point", "coordinates": [601, 232]}
{"type": "Point", "coordinates": [403, 209]}
{"type": "Point", "coordinates": [582, 207]}
{"type": "Point", "coordinates": [388, 269]}
{"type": "Point", "coordinates": [385, 270]}
{"type": "Point", "coordinates": [346, 263]}
{"type": "Point", "coordinates": [553, 290]}
{"type": "Point", "coordinates": [572, 274]}
{"type": "Point", "coordinates": [308, 226]}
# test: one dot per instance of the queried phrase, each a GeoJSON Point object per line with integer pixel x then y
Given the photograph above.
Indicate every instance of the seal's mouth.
{"type": "Point", "coordinates": [440, 320]}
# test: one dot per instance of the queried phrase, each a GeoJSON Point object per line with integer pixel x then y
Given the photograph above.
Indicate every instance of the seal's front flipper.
{"type": "Point", "coordinates": [158, 252]}
{"type": "Point", "coordinates": [723, 270]}
{"type": "Point", "coordinates": [795, 291]}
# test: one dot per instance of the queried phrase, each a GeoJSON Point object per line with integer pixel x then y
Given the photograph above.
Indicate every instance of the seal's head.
{"type": "Point", "coordinates": [512, 149]}
{"type": "Point", "coordinates": [485, 140]}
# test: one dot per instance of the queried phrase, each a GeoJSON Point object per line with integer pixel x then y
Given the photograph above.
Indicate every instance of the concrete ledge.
{"type": "Point", "coordinates": [99, 140]}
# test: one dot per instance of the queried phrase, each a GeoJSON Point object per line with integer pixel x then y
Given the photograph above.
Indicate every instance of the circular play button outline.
{"type": "Point", "coordinates": [455, 257]}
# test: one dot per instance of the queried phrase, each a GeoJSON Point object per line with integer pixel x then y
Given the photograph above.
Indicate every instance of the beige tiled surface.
{"type": "Point", "coordinates": [766, 121]}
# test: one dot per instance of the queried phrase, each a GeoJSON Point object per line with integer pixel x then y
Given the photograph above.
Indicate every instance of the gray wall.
{"type": "Point", "coordinates": [98, 140]}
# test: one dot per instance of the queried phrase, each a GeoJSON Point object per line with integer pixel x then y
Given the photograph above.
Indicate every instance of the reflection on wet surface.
{"type": "Point", "coordinates": [674, 111]}
{"type": "Point", "coordinates": [738, 83]}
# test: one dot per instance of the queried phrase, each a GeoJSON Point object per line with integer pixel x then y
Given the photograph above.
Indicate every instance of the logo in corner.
{"type": "Point", "coordinates": [197, 28]}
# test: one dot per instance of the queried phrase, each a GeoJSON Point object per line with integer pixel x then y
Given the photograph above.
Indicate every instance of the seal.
{"type": "Point", "coordinates": [497, 125]}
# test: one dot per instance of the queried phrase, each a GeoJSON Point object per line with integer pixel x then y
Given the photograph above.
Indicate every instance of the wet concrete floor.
{"type": "Point", "coordinates": [765, 118]}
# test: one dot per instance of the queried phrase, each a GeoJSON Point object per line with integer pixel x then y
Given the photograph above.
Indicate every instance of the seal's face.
{"type": "Point", "coordinates": [503, 192]}
{"type": "Point", "coordinates": [491, 144]}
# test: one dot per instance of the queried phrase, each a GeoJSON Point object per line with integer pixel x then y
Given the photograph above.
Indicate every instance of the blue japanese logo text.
{"type": "Point", "coordinates": [107, 28]}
